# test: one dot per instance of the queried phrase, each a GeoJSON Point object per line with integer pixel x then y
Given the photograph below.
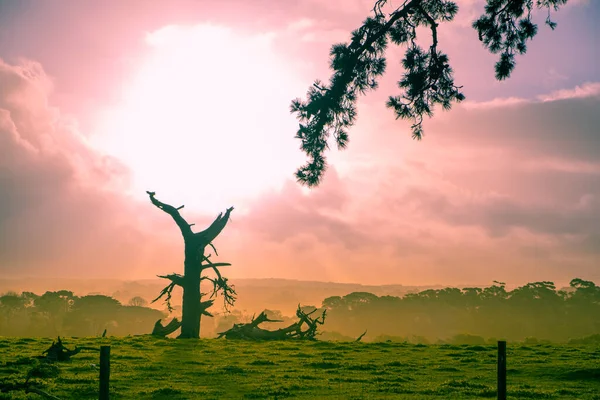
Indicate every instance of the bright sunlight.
{"type": "Point", "coordinates": [206, 118]}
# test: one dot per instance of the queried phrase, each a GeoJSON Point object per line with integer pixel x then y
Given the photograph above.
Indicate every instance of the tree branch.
{"type": "Point", "coordinates": [186, 231]}
{"type": "Point", "coordinates": [358, 339]}
{"type": "Point", "coordinates": [221, 284]}
{"type": "Point", "coordinates": [339, 86]}
{"type": "Point", "coordinates": [205, 237]}
{"type": "Point", "coordinates": [433, 25]}
{"type": "Point", "coordinates": [205, 305]}
{"type": "Point", "coordinates": [175, 279]}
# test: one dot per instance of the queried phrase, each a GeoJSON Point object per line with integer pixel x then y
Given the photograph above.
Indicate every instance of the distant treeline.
{"type": "Point", "coordinates": [470, 315]}
{"type": "Point", "coordinates": [536, 310]}
{"type": "Point", "coordinates": [62, 313]}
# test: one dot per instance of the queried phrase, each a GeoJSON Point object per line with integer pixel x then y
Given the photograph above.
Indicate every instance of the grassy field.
{"type": "Point", "coordinates": [148, 368]}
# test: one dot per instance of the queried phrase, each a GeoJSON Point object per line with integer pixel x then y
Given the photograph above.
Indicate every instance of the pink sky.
{"type": "Point", "coordinates": [101, 101]}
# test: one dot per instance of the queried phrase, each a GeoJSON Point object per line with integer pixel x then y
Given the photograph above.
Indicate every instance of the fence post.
{"type": "Point", "coordinates": [104, 372]}
{"type": "Point", "coordinates": [501, 370]}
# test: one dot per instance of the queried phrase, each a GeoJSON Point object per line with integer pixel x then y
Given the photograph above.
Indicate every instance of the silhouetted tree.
{"type": "Point", "coordinates": [137, 301]}
{"type": "Point", "coordinates": [534, 310]}
{"type": "Point", "coordinates": [585, 290]}
{"type": "Point", "coordinates": [195, 264]}
{"type": "Point", "coordinates": [14, 311]}
{"type": "Point", "coordinates": [61, 313]}
{"type": "Point", "coordinates": [53, 306]}
{"type": "Point", "coordinates": [330, 109]}
{"type": "Point", "coordinates": [93, 314]}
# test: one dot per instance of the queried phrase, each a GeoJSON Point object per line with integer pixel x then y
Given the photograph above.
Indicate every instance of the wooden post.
{"type": "Point", "coordinates": [501, 370]}
{"type": "Point", "coordinates": [104, 372]}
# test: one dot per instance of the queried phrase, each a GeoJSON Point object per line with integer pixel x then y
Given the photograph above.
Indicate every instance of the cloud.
{"type": "Point", "coordinates": [301, 24]}
{"type": "Point", "coordinates": [560, 127]}
{"type": "Point", "coordinates": [508, 190]}
{"type": "Point", "coordinates": [281, 215]}
{"type": "Point", "coordinates": [577, 3]}
{"type": "Point", "coordinates": [558, 165]}
{"type": "Point", "coordinates": [498, 214]}
{"type": "Point", "coordinates": [495, 192]}
{"type": "Point", "coordinates": [588, 89]}
{"type": "Point", "coordinates": [60, 207]}
{"type": "Point", "coordinates": [494, 103]}
{"type": "Point", "coordinates": [514, 186]}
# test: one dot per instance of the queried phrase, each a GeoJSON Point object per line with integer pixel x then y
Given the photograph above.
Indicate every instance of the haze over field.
{"type": "Point", "coordinates": [101, 101]}
{"type": "Point", "coordinates": [254, 295]}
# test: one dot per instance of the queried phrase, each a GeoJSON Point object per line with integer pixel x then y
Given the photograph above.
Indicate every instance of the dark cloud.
{"type": "Point", "coordinates": [532, 166]}
{"type": "Point", "coordinates": [566, 128]}
{"type": "Point", "coordinates": [489, 194]}
{"type": "Point", "coordinates": [498, 214]}
{"type": "Point", "coordinates": [498, 170]}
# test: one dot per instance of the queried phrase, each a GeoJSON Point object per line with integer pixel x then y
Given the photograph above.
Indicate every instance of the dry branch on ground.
{"type": "Point", "coordinates": [304, 328]}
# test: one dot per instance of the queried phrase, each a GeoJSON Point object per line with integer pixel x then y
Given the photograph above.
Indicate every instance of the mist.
{"type": "Point", "coordinates": [537, 311]}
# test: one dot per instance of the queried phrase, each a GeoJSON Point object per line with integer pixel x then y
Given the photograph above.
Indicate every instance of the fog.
{"type": "Point", "coordinates": [474, 315]}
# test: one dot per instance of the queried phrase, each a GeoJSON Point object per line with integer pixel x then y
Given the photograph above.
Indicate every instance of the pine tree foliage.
{"type": "Point", "coordinates": [330, 108]}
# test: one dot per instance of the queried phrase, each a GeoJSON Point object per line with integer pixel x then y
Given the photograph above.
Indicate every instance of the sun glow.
{"type": "Point", "coordinates": [206, 118]}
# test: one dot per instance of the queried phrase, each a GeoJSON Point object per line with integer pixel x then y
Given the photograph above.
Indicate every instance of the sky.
{"type": "Point", "coordinates": [101, 101]}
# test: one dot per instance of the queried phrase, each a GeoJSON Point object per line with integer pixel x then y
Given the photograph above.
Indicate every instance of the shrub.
{"type": "Point", "coordinates": [465, 338]}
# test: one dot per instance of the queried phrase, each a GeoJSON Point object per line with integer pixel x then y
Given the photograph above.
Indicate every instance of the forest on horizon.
{"type": "Point", "coordinates": [473, 315]}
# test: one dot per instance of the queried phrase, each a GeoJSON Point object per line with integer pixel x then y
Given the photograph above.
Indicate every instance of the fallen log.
{"type": "Point", "coordinates": [58, 352]}
{"type": "Point", "coordinates": [304, 328]}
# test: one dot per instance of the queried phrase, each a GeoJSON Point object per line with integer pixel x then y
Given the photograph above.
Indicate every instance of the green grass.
{"type": "Point", "coordinates": [148, 368]}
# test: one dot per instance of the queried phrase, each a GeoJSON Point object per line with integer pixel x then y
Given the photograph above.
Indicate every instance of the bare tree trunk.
{"type": "Point", "coordinates": [191, 308]}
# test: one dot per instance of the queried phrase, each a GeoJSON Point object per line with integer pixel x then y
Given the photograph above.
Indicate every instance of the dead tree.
{"type": "Point", "coordinates": [304, 328]}
{"type": "Point", "coordinates": [195, 264]}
